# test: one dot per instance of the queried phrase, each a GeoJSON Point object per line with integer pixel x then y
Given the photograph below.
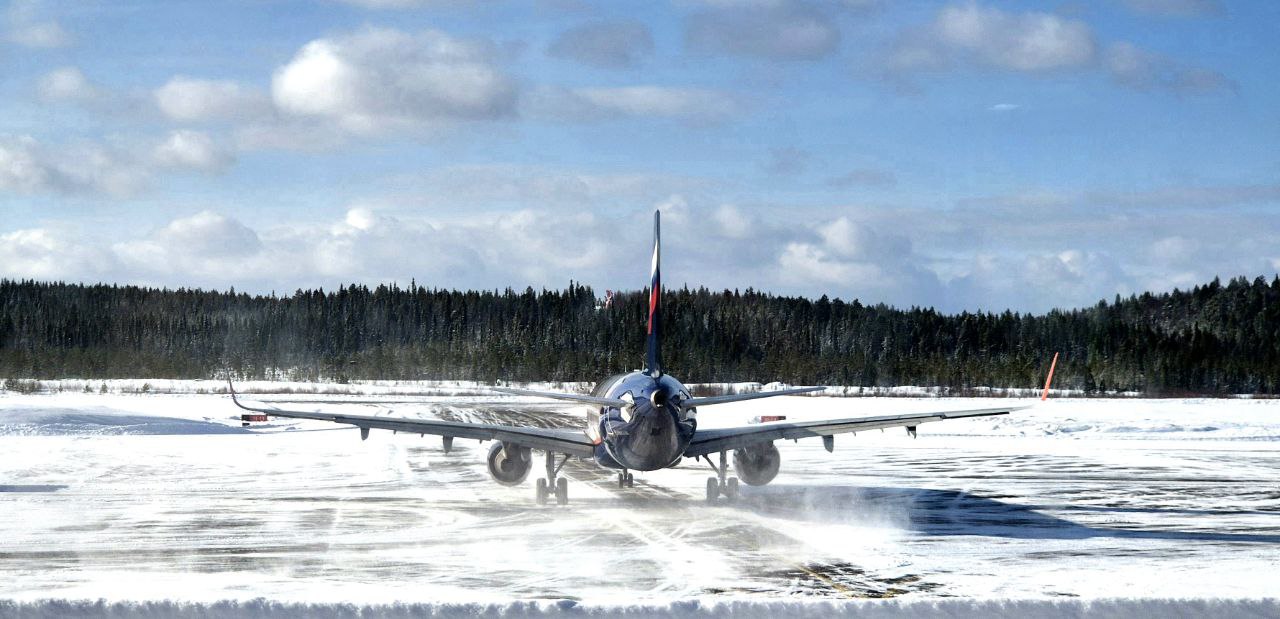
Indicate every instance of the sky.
{"type": "Point", "coordinates": [964, 155]}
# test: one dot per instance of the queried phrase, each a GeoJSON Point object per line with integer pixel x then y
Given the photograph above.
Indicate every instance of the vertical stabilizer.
{"type": "Point", "coordinates": [653, 365]}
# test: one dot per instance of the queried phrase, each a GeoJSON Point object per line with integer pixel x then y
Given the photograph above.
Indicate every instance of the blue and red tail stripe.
{"type": "Point", "coordinates": [652, 362]}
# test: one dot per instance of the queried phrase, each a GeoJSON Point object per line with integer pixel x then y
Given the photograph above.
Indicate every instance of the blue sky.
{"type": "Point", "coordinates": [962, 154]}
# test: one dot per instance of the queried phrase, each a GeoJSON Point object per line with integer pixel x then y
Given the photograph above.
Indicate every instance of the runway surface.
{"type": "Point", "coordinates": [135, 497]}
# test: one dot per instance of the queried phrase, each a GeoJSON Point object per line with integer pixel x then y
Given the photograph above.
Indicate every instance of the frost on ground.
{"type": "Point", "coordinates": [139, 499]}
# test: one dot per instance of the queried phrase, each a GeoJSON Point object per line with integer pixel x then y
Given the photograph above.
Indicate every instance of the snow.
{"type": "Point", "coordinates": [940, 609]}
{"type": "Point", "coordinates": [151, 499]}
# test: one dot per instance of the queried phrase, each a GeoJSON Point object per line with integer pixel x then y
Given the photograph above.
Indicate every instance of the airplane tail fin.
{"type": "Point", "coordinates": [653, 365]}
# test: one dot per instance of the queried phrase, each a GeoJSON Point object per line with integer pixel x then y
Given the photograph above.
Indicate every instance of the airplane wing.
{"type": "Point", "coordinates": [724, 439]}
{"type": "Point", "coordinates": [572, 442]}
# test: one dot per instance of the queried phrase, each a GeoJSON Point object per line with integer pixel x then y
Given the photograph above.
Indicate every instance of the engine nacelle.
{"type": "Point", "coordinates": [509, 463]}
{"type": "Point", "coordinates": [758, 464]}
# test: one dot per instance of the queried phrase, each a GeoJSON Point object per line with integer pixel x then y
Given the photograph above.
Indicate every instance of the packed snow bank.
{"type": "Point", "coordinates": [1021, 609]}
{"type": "Point", "coordinates": [150, 386]}
{"type": "Point", "coordinates": [1044, 504]}
{"type": "Point", "coordinates": [190, 409]}
{"type": "Point", "coordinates": [1072, 419]}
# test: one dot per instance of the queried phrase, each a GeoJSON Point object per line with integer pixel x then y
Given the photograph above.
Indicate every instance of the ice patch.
{"type": "Point", "coordinates": [73, 422]}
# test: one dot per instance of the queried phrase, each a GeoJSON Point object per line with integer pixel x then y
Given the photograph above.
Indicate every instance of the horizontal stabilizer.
{"type": "Point", "coordinates": [572, 397]}
{"type": "Point", "coordinates": [738, 397]}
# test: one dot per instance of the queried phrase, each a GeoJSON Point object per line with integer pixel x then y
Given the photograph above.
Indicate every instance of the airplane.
{"type": "Point", "coordinates": [643, 420]}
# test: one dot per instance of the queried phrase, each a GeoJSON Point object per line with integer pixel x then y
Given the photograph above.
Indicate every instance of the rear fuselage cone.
{"type": "Point", "coordinates": [650, 433]}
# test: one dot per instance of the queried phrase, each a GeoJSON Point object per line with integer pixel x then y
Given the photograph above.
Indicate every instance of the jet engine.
{"type": "Point", "coordinates": [509, 463]}
{"type": "Point", "coordinates": [757, 464]}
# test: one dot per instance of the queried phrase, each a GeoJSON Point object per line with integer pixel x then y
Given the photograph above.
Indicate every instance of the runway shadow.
{"type": "Point", "coordinates": [953, 512]}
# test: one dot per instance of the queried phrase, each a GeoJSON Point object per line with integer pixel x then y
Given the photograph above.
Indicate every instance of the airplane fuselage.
{"type": "Point", "coordinates": [650, 434]}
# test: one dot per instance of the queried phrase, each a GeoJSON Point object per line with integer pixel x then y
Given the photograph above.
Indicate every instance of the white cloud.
{"type": "Point", "coordinates": [50, 254]}
{"type": "Point", "coordinates": [188, 99]}
{"type": "Point", "coordinates": [1173, 250]}
{"type": "Point", "coordinates": [733, 222]}
{"type": "Point", "coordinates": [585, 104]}
{"type": "Point", "coordinates": [28, 167]}
{"type": "Point", "coordinates": [468, 187]}
{"type": "Point", "coordinates": [775, 30]}
{"type": "Point", "coordinates": [381, 79]}
{"type": "Point", "coordinates": [1136, 68]}
{"type": "Point", "coordinates": [361, 218]}
{"type": "Point", "coordinates": [194, 150]}
{"type": "Point", "coordinates": [969, 33]}
{"type": "Point", "coordinates": [786, 161]}
{"type": "Point", "coordinates": [608, 45]}
{"type": "Point", "coordinates": [205, 247]}
{"type": "Point", "coordinates": [1004, 107]}
{"type": "Point", "coordinates": [659, 101]}
{"type": "Point", "coordinates": [814, 264]}
{"type": "Point", "coordinates": [67, 84]}
{"type": "Point", "coordinates": [1186, 196]}
{"type": "Point", "coordinates": [27, 28]}
{"type": "Point", "coordinates": [294, 134]}
{"type": "Point", "coordinates": [852, 259]}
{"type": "Point", "coordinates": [101, 169]}
{"type": "Point", "coordinates": [967, 261]}
{"type": "Point", "coordinates": [209, 235]}
{"type": "Point", "coordinates": [22, 169]}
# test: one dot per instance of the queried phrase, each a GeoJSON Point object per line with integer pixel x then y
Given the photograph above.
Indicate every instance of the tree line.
{"type": "Point", "coordinates": [1214, 338]}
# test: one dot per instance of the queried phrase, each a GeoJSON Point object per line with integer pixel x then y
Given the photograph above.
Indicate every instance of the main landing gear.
{"type": "Point", "coordinates": [553, 484]}
{"type": "Point", "coordinates": [719, 485]}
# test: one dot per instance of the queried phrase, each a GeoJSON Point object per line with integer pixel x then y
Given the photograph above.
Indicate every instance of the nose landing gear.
{"type": "Point", "coordinates": [626, 480]}
{"type": "Point", "coordinates": [720, 484]}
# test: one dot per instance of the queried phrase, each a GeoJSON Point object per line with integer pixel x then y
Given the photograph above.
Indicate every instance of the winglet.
{"type": "Point", "coordinates": [1048, 381]}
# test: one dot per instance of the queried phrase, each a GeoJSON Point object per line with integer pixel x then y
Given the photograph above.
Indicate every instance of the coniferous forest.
{"type": "Point", "coordinates": [1212, 339]}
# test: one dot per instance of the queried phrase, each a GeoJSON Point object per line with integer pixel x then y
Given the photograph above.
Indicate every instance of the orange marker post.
{"type": "Point", "coordinates": [1045, 396]}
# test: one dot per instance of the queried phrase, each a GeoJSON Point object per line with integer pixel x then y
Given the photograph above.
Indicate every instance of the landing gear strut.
{"type": "Point", "coordinates": [551, 484]}
{"type": "Point", "coordinates": [720, 485]}
{"type": "Point", "coordinates": [626, 480]}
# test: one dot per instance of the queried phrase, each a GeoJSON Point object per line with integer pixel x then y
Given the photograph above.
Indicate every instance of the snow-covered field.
{"type": "Point", "coordinates": [164, 497]}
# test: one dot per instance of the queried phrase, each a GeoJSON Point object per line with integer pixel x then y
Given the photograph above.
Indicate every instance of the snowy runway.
{"type": "Point", "coordinates": [1079, 498]}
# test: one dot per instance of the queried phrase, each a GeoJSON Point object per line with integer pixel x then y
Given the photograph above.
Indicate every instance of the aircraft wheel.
{"type": "Point", "coordinates": [542, 491]}
{"type": "Point", "coordinates": [713, 489]}
{"type": "Point", "coordinates": [562, 491]}
{"type": "Point", "coordinates": [731, 491]}
{"type": "Point", "coordinates": [631, 480]}
{"type": "Point", "coordinates": [622, 480]}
